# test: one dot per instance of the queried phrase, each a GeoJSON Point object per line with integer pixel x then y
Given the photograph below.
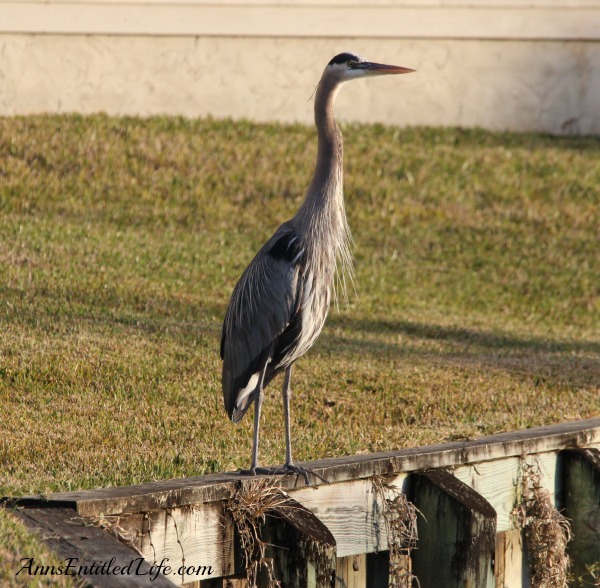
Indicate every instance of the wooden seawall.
{"type": "Point", "coordinates": [471, 501]}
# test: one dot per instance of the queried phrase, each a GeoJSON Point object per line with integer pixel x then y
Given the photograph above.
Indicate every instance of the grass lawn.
{"type": "Point", "coordinates": [477, 306]}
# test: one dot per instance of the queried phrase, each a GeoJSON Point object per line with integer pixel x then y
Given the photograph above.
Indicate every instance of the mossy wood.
{"type": "Point", "coordinates": [477, 482]}
{"type": "Point", "coordinates": [581, 493]}
{"type": "Point", "coordinates": [456, 533]}
{"type": "Point", "coordinates": [301, 559]}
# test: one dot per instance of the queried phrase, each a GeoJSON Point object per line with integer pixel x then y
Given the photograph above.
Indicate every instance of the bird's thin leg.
{"type": "Point", "coordinates": [289, 466]}
{"type": "Point", "coordinates": [257, 407]}
{"type": "Point", "coordinates": [287, 392]}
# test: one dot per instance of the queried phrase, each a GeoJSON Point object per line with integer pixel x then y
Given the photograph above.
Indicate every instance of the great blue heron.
{"type": "Point", "coordinates": [280, 303]}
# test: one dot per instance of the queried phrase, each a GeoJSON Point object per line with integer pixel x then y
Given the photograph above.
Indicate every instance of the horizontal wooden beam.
{"type": "Point", "coordinates": [217, 487]}
{"type": "Point", "coordinates": [417, 20]}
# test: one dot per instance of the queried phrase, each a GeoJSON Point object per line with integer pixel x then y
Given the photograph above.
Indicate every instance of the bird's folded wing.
{"type": "Point", "coordinates": [262, 305]}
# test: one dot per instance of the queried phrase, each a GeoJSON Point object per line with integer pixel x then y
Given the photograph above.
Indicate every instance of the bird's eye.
{"type": "Point", "coordinates": [351, 63]}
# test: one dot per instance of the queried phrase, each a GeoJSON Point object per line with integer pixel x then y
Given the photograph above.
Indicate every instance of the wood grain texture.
{"type": "Point", "coordinates": [510, 565]}
{"type": "Point", "coordinates": [195, 541]}
{"type": "Point", "coordinates": [498, 481]}
{"type": "Point", "coordinates": [352, 513]}
{"type": "Point", "coordinates": [351, 571]}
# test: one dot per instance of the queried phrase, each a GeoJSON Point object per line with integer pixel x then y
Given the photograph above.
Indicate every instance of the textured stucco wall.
{"type": "Point", "coordinates": [549, 86]}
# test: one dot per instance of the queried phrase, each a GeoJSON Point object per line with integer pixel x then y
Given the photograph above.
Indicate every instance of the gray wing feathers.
{"type": "Point", "coordinates": [261, 307]}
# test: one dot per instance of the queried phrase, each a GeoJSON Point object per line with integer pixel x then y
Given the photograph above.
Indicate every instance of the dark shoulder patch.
{"type": "Point", "coordinates": [343, 57]}
{"type": "Point", "coordinates": [288, 248]}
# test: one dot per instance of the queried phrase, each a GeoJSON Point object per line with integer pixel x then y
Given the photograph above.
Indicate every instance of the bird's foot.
{"type": "Point", "coordinates": [291, 468]}
{"type": "Point", "coordinates": [286, 470]}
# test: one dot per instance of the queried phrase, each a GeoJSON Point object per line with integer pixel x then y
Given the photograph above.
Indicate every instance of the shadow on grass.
{"type": "Point", "coordinates": [565, 362]}
{"type": "Point", "coordinates": [485, 339]}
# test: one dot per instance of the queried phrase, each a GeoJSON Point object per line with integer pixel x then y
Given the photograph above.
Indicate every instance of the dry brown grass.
{"type": "Point", "coordinates": [249, 508]}
{"type": "Point", "coordinates": [546, 532]}
{"type": "Point", "coordinates": [400, 517]}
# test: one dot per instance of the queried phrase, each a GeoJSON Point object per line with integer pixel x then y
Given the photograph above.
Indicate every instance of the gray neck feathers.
{"type": "Point", "coordinates": [322, 216]}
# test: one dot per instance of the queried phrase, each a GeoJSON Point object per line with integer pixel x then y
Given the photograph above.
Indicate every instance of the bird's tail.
{"type": "Point", "coordinates": [237, 397]}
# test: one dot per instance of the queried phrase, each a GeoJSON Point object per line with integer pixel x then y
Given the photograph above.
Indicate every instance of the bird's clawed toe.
{"type": "Point", "coordinates": [291, 469]}
{"type": "Point", "coordinates": [286, 470]}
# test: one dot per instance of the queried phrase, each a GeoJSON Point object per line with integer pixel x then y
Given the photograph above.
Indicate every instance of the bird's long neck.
{"type": "Point", "coordinates": [328, 169]}
{"type": "Point", "coordinates": [322, 216]}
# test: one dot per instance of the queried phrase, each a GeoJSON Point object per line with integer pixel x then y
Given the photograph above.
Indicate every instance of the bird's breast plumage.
{"type": "Point", "coordinates": [314, 296]}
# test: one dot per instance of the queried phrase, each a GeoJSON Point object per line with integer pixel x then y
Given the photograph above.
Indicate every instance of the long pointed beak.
{"type": "Point", "coordinates": [382, 69]}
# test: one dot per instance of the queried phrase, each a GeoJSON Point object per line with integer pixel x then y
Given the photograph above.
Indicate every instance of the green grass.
{"type": "Point", "coordinates": [478, 306]}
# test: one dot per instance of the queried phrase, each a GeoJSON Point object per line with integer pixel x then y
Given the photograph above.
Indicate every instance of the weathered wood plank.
{"type": "Point", "coordinates": [215, 487]}
{"type": "Point", "coordinates": [195, 541]}
{"type": "Point", "coordinates": [582, 506]}
{"type": "Point", "coordinates": [352, 512]}
{"type": "Point", "coordinates": [351, 571]}
{"type": "Point", "coordinates": [106, 561]}
{"type": "Point", "coordinates": [498, 481]}
{"type": "Point", "coordinates": [456, 533]}
{"type": "Point", "coordinates": [196, 535]}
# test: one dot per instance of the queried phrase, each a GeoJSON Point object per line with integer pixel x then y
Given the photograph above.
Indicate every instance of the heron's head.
{"type": "Point", "coordinates": [348, 66]}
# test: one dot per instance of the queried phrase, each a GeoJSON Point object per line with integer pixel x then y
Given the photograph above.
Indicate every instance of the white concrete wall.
{"type": "Point", "coordinates": [527, 66]}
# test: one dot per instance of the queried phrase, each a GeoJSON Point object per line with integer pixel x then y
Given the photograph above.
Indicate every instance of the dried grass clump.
{"type": "Point", "coordinates": [400, 518]}
{"type": "Point", "coordinates": [546, 532]}
{"type": "Point", "coordinates": [112, 524]}
{"type": "Point", "coordinates": [593, 576]}
{"type": "Point", "coordinates": [249, 509]}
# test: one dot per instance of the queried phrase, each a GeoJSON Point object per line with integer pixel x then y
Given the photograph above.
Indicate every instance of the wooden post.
{"type": "Point", "coordinates": [581, 493]}
{"type": "Point", "coordinates": [510, 562]}
{"type": "Point", "coordinates": [351, 571]}
{"type": "Point", "coordinates": [456, 533]}
{"type": "Point", "coordinates": [301, 547]}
